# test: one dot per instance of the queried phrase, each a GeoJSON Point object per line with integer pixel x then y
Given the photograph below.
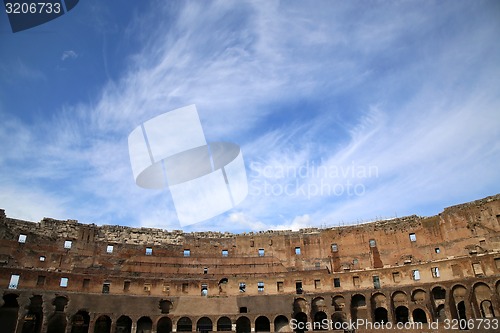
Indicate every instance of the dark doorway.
{"type": "Point", "coordinates": [381, 315]}
{"type": "Point", "coordinates": [401, 314]}
{"type": "Point", "coordinates": [243, 325]}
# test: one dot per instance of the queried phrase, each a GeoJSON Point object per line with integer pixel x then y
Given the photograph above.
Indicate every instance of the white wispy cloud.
{"type": "Point", "coordinates": [293, 84]}
{"type": "Point", "coordinates": [70, 54]}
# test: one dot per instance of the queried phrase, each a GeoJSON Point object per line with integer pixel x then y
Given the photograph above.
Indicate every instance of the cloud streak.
{"type": "Point", "coordinates": [400, 88]}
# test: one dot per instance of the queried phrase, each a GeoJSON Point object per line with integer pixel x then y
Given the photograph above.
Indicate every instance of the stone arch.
{"type": "Point", "coordinates": [301, 317]}
{"type": "Point", "coordinates": [243, 325]}
{"type": "Point", "coordinates": [379, 305]}
{"type": "Point", "coordinates": [164, 325]}
{"type": "Point", "coordinates": [281, 324]}
{"type": "Point", "coordinates": [402, 314]}
{"type": "Point", "coordinates": [419, 296]}
{"type": "Point", "coordinates": [300, 305]}
{"type": "Point", "coordinates": [419, 316]}
{"type": "Point", "coordinates": [338, 302]}
{"type": "Point", "coordinates": [124, 325]}
{"type": "Point", "coordinates": [224, 324]}
{"type": "Point", "coordinates": [380, 315]}
{"type": "Point", "coordinates": [378, 300]}
{"type": "Point", "coordinates": [482, 297]}
{"type": "Point", "coordinates": [204, 324]}
{"type": "Point", "coordinates": [8, 313]}
{"type": "Point", "coordinates": [80, 322]}
{"type": "Point", "coordinates": [338, 318]}
{"type": "Point", "coordinates": [144, 325]}
{"type": "Point", "coordinates": [262, 324]}
{"type": "Point", "coordinates": [486, 308]}
{"type": "Point", "coordinates": [399, 298]}
{"type": "Point", "coordinates": [102, 324]}
{"type": "Point", "coordinates": [60, 303]}
{"type": "Point", "coordinates": [184, 324]}
{"type": "Point", "coordinates": [165, 306]}
{"type": "Point", "coordinates": [318, 304]}
{"type": "Point", "coordinates": [318, 321]}
{"type": "Point", "coordinates": [358, 307]}
{"type": "Point", "coordinates": [34, 317]}
{"type": "Point", "coordinates": [458, 297]}
{"type": "Point", "coordinates": [438, 293]}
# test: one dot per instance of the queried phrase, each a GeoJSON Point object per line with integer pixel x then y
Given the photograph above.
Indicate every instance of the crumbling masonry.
{"type": "Point", "coordinates": [63, 276]}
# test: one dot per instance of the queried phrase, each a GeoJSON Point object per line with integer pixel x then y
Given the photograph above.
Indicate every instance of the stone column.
{"type": "Point", "coordinates": [23, 302]}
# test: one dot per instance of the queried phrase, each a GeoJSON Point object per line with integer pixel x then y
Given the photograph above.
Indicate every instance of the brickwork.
{"type": "Point", "coordinates": [64, 276]}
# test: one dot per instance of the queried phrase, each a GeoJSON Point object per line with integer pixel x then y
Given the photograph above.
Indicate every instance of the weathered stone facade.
{"type": "Point", "coordinates": [63, 276]}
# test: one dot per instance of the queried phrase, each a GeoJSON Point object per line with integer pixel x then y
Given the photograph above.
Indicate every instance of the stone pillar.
{"type": "Point", "coordinates": [92, 323]}
{"type": "Point", "coordinates": [134, 327]}
{"type": "Point", "coordinates": [23, 302]}
{"type": "Point", "coordinates": [47, 308]}
{"type": "Point", "coordinates": [271, 326]}
{"type": "Point", "coordinates": [69, 324]}
{"type": "Point", "coordinates": [153, 325]}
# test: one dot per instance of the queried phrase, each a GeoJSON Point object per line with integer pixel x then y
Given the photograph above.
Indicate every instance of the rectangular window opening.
{"type": "Point", "coordinates": [22, 239]}
{"type": "Point", "coordinates": [298, 287]}
{"type": "Point", "coordinates": [105, 287]}
{"type": "Point", "coordinates": [204, 290]}
{"type": "Point", "coordinates": [413, 237]}
{"type": "Point", "coordinates": [437, 250]}
{"type": "Point", "coordinates": [335, 248]}
{"type": "Point", "coordinates": [355, 281]}
{"type": "Point", "coordinates": [373, 243]}
{"type": "Point", "coordinates": [225, 253]}
{"type": "Point", "coordinates": [336, 282]}
{"type": "Point", "coordinates": [187, 253]}
{"type": "Point", "coordinates": [40, 281]}
{"type": "Point", "coordinates": [14, 281]}
{"type": "Point", "coordinates": [243, 309]}
{"type": "Point", "coordinates": [64, 282]}
{"type": "Point", "coordinates": [149, 251]}
{"type": "Point", "coordinates": [435, 272]}
{"type": "Point", "coordinates": [147, 287]}
{"type": "Point", "coordinates": [297, 250]}
{"type": "Point", "coordinates": [396, 277]}
{"type": "Point", "coordinates": [67, 244]}
{"type": "Point", "coordinates": [478, 270]}
{"type": "Point", "coordinates": [86, 284]}
{"type": "Point", "coordinates": [317, 284]}
{"type": "Point", "coordinates": [42, 258]}
{"type": "Point", "coordinates": [415, 274]}
{"type": "Point", "coordinates": [243, 287]}
{"type": "Point", "coordinates": [261, 252]}
{"type": "Point", "coordinates": [109, 249]}
{"type": "Point", "coordinates": [376, 282]}
{"type": "Point", "coordinates": [126, 285]}
{"type": "Point", "coordinates": [497, 263]}
{"type": "Point", "coordinates": [260, 286]}
{"type": "Point", "coordinates": [279, 286]}
{"type": "Point", "coordinates": [185, 287]}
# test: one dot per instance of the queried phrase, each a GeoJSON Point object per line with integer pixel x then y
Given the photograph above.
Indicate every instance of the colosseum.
{"type": "Point", "coordinates": [440, 272]}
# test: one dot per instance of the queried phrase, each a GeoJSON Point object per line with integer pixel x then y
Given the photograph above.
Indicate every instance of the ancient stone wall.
{"type": "Point", "coordinates": [63, 276]}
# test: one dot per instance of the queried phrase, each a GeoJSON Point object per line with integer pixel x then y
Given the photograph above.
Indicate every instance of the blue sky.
{"type": "Point", "coordinates": [345, 111]}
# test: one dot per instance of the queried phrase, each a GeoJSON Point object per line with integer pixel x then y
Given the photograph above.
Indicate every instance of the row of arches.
{"type": "Point", "coordinates": [418, 305]}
